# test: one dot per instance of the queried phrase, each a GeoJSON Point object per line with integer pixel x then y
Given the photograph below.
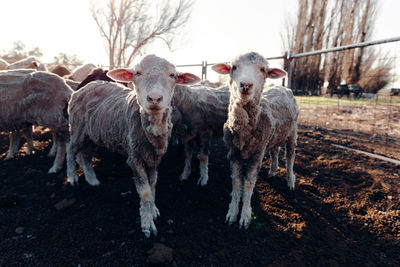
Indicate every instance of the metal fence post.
{"type": "Point", "coordinates": [204, 70]}
{"type": "Point", "coordinates": [288, 68]}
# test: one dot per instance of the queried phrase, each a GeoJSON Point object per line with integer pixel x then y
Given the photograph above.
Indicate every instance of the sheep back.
{"type": "Point", "coordinates": [33, 97]}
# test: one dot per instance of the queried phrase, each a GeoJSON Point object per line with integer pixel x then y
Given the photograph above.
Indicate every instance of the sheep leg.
{"type": "Point", "coordinates": [53, 149]}
{"type": "Point", "coordinates": [153, 176]}
{"type": "Point", "coordinates": [15, 138]}
{"type": "Point", "coordinates": [60, 156]}
{"type": "Point", "coordinates": [236, 194]}
{"type": "Point", "coordinates": [84, 158]}
{"type": "Point", "coordinates": [28, 134]}
{"type": "Point", "coordinates": [147, 206]}
{"type": "Point", "coordinates": [249, 183]}
{"type": "Point", "coordinates": [274, 155]}
{"type": "Point", "coordinates": [188, 160]}
{"type": "Point", "coordinates": [290, 155]}
{"type": "Point", "coordinates": [72, 150]}
{"type": "Point", "coordinates": [203, 158]}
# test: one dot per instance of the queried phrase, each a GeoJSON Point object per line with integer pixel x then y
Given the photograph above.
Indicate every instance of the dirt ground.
{"type": "Point", "coordinates": [345, 211]}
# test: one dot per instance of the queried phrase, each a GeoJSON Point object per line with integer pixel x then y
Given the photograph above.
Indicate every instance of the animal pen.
{"type": "Point", "coordinates": [370, 119]}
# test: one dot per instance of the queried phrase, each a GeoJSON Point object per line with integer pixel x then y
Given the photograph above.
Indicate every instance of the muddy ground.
{"type": "Point", "coordinates": [345, 211]}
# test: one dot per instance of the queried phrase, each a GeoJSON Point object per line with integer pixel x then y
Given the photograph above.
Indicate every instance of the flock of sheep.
{"type": "Point", "coordinates": [136, 111]}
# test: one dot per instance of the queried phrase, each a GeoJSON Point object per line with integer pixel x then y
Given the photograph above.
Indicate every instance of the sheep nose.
{"type": "Point", "coordinates": [154, 98]}
{"type": "Point", "coordinates": [245, 86]}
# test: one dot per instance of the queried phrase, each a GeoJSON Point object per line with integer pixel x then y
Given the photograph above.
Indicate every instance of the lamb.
{"type": "Point", "coordinates": [97, 74]}
{"type": "Point", "coordinates": [80, 73]}
{"type": "Point", "coordinates": [30, 97]}
{"type": "Point", "coordinates": [202, 112]}
{"type": "Point", "coordinates": [60, 70]}
{"type": "Point", "coordinates": [256, 124]}
{"type": "Point", "coordinates": [28, 63]}
{"type": "Point", "coordinates": [3, 64]}
{"type": "Point", "coordinates": [135, 123]}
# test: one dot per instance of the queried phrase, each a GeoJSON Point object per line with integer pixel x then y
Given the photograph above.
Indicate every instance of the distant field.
{"type": "Point", "coordinates": [314, 101]}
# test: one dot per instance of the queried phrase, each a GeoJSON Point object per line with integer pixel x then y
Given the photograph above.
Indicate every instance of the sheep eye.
{"type": "Point", "coordinates": [234, 68]}
{"type": "Point", "coordinates": [262, 69]}
{"type": "Point", "coordinates": [172, 75]}
{"type": "Point", "coordinates": [138, 73]}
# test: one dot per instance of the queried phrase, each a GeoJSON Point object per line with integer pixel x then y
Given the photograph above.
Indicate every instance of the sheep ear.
{"type": "Point", "coordinates": [121, 75]}
{"type": "Point", "coordinates": [35, 64]}
{"type": "Point", "coordinates": [276, 73]}
{"type": "Point", "coordinates": [222, 68]}
{"type": "Point", "coordinates": [187, 78]}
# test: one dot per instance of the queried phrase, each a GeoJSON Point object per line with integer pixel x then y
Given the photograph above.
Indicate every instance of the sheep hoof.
{"type": "Point", "coordinates": [244, 222]}
{"type": "Point", "coordinates": [202, 181]}
{"type": "Point", "coordinates": [93, 182]}
{"type": "Point", "coordinates": [183, 177]}
{"type": "Point", "coordinates": [54, 169]}
{"type": "Point", "coordinates": [148, 230]}
{"type": "Point", "coordinates": [9, 156]}
{"type": "Point", "coordinates": [72, 181]}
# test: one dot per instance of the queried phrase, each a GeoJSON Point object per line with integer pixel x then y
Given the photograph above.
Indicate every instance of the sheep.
{"type": "Point", "coordinates": [97, 74]}
{"type": "Point", "coordinates": [256, 124]}
{"type": "Point", "coordinates": [80, 73]}
{"type": "Point", "coordinates": [60, 70]}
{"type": "Point", "coordinates": [28, 63]}
{"type": "Point", "coordinates": [201, 113]}
{"type": "Point", "coordinates": [135, 123]}
{"type": "Point", "coordinates": [30, 97]}
{"type": "Point", "coordinates": [3, 64]}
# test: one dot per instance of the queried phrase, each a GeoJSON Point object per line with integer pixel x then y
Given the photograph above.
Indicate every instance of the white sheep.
{"type": "Point", "coordinates": [26, 63]}
{"type": "Point", "coordinates": [3, 64]}
{"type": "Point", "coordinates": [30, 97]}
{"type": "Point", "coordinates": [256, 124]}
{"type": "Point", "coordinates": [202, 114]}
{"type": "Point", "coordinates": [80, 73]}
{"type": "Point", "coordinates": [135, 123]}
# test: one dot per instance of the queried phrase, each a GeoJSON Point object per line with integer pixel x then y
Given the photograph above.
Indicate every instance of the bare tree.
{"type": "Point", "coordinates": [325, 24]}
{"type": "Point", "coordinates": [129, 25]}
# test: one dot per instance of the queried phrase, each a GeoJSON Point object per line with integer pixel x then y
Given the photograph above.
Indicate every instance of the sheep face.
{"type": "Point", "coordinates": [247, 75]}
{"type": "Point", "coordinates": [155, 79]}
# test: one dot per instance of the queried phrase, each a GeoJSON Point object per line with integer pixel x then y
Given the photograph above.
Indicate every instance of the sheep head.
{"type": "Point", "coordinates": [247, 75]}
{"type": "Point", "coordinates": [154, 79]}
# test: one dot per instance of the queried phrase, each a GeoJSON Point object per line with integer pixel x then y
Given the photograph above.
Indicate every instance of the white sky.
{"type": "Point", "coordinates": [217, 31]}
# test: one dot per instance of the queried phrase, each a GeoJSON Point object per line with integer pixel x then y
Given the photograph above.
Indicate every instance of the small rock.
{"type": "Point", "coordinates": [64, 204]}
{"type": "Point", "coordinates": [390, 197]}
{"type": "Point", "coordinates": [170, 222]}
{"type": "Point", "coordinates": [19, 230]}
{"type": "Point", "coordinates": [160, 254]}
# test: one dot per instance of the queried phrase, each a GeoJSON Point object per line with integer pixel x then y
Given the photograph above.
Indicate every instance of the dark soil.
{"type": "Point", "coordinates": [345, 211]}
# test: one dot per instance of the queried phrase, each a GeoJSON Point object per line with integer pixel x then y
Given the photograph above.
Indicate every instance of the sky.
{"type": "Point", "coordinates": [217, 31]}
